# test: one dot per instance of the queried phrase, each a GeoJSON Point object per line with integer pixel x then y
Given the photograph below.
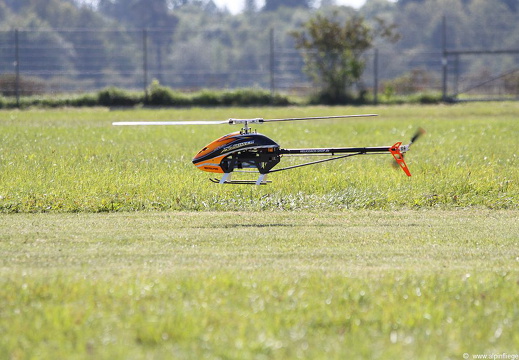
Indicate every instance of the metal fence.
{"type": "Point", "coordinates": [487, 83]}
{"type": "Point", "coordinates": [83, 60]}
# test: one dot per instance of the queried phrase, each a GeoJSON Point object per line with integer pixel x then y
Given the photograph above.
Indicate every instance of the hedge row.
{"type": "Point", "coordinates": [156, 96]}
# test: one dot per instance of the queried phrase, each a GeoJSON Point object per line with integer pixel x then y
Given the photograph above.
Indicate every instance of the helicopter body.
{"type": "Point", "coordinates": [238, 150]}
{"type": "Point", "coordinates": [249, 151]}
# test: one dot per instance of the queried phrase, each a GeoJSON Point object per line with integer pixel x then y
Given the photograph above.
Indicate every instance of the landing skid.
{"type": "Point", "coordinates": [240, 182]}
{"type": "Point", "coordinates": [226, 179]}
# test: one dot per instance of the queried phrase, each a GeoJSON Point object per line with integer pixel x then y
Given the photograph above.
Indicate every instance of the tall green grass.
{"type": "Point", "coordinates": [76, 161]}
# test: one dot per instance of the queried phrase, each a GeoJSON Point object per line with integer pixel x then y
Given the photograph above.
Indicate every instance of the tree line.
{"type": "Point", "coordinates": [239, 40]}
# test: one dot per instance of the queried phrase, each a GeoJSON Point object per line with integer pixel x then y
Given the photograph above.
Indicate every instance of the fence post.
{"type": "Point", "coordinates": [17, 67]}
{"type": "Point", "coordinates": [457, 75]}
{"type": "Point", "coordinates": [444, 58]}
{"type": "Point", "coordinates": [375, 80]}
{"type": "Point", "coordinates": [145, 62]}
{"type": "Point", "coordinates": [272, 64]}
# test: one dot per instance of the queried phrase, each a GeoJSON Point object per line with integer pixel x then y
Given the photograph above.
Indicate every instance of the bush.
{"type": "Point", "coordinates": [116, 97]}
{"type": "Point", "coordinates": [430, 98]}
{"type": "Point", "coordinates": [207, 98]}
{"type": "Point", "coordinates": [164, 96]}
{"type": "Point", "coordinates": [325, 98]}
{"type": "Point", "coordinates": [28, 85]}
{"type": "Point", "coordinates": [83, 100]}
{"type": "Point", "coordinates": [247, 97]}
{"type": "Point", "coordinates": [511, 83]}
{"type": "Point", "coordinates": [279, 100]}
{"type": "Point", "coordinates": [415, 81]}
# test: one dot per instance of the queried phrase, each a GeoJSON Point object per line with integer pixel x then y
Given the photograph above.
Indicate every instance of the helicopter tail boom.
{"type": "Point", "coordinates": [397, 150]}
{"type": "Point", "coordinates": [333, 151]}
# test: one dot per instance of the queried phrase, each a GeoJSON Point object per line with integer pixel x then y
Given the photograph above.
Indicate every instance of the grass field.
{"type": "Point", "coordinates": [75, 161]}
{"type": "Point", "coordinates": [278, 285]}
{"type": "Point", "coordinates": [114, 246]}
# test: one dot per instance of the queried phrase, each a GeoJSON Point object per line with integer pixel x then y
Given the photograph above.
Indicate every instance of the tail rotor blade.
{"type": "Point", "coordinates": [415, 137]}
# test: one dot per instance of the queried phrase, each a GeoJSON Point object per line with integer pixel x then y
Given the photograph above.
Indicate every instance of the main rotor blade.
{"type": "Point", "coordinates": [146, 123]}
{"type": "Point", "coordinates": [321, 117]}
{"type": "Point", "coordinates": [232, 121]}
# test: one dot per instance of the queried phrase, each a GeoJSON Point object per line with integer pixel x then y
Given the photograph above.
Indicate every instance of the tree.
{"type": "Point", "coordinates": [333, 52]}
{"type": "Point", "coordinates": [273, 5]}
{"type": "Point", "coordinates": [512, 5]}
{"type": "Point", "coordinates": [250, 6]}
{"type": "Point", "coordinates": [152, 14]}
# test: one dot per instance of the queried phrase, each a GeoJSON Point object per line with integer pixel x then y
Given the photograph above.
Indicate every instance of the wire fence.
{"type": "Point", "coordinates": [58, 61]}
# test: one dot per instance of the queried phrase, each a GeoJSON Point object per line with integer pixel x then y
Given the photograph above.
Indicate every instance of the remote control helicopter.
{"type": "Point", "coordinates": [247, 149]}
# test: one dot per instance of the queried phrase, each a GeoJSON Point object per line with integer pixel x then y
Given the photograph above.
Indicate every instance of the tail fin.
{"type": "Point", "coordinates": [396, 151]}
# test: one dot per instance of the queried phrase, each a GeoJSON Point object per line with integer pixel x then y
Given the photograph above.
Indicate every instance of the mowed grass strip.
{"type": "Point", "coordinates": [76, 161]}
{"type": "Point", "coordinates": [280, 285]}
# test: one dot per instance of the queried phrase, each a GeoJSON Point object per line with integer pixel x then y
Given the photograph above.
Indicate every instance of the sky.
{"type": "Point", "coordinates": [235, 6]}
